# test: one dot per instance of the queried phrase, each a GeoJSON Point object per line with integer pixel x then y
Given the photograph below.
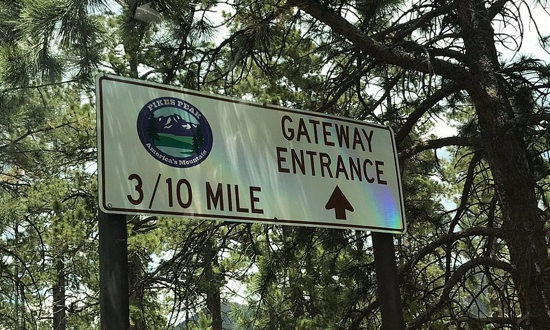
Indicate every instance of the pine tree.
{"type": "Point", "coordinates": [198, 140]}
{"type": "Point", "coordinates": [152, 129]}
{"type": "Point", "coordinates": [476, 249]}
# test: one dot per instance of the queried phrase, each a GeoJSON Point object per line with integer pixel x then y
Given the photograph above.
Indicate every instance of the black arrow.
{"type": "Point", "coordinates": [339, 203]}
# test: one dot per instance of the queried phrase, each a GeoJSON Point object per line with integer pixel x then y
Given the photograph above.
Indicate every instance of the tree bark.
{"type": "Point", "coordinates": [59, 298]}
{"type": "Point", "coordinates": [506, 154]}
{"type": "Point", "coordinates": [135, 276]}
{"type": "Point", "coordinates": [213, 295]}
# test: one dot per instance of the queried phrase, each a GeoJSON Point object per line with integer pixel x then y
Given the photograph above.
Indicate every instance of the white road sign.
{"type": "Point", "coordinates": [173, 152]}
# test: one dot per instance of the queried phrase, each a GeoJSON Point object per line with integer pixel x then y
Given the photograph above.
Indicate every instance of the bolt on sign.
{"type": "Point", "coordinates": [173, 152]}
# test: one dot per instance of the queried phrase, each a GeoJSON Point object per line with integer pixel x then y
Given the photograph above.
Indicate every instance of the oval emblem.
{"type": "Point", "coordinates": [174, 132]}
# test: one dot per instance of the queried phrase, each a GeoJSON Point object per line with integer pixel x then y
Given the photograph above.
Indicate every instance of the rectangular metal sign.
{"type": "Point", "coordinates": [167, 151]}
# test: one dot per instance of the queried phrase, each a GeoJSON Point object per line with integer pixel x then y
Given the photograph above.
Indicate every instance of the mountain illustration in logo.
{"type": "Point", "coordinates": [174, 135]}
{"type": "Point", "coordinates": [175, 125]}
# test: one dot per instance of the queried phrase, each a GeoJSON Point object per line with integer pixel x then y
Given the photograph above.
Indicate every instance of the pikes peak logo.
{"type": "Point", "coordinates": [174, 132]}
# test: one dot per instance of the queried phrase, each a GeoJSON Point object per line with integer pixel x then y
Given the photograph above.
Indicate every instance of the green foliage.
{"type": "Point", "coordinates": [45, 145]}
{"type": "Point", "coordinates": [266, 52]}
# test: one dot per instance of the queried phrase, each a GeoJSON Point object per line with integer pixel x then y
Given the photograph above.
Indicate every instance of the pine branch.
{"type": "Point", "coordinates": [496, 8]}
{"type": "Point", "coordinates": [38, 86]}
{"type": "Point", "coordinates": [426, 105]}
{"type": "Point", "coordinates": [440, 143]}
{"type": "Point", "coordinates": [447, 239]}
{"type": "Point", "coordinates": [31, 132]}
{"type": "Point", "coordinates": [457, 276]}
{"type": "Point", "coordinates": [390, 53]}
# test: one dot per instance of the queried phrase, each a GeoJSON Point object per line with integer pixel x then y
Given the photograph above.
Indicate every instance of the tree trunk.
{"type": "Point", "coordinates": [507, 156]}
{"type": "Point", "coordinates": [135, 275]}
{"type": "Point", "coordinates": [213, 296]}
{"type": "Point", "coordinates": [59, 317]}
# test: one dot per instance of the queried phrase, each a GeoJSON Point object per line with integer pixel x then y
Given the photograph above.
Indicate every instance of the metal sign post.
{"type": "Point", "coordinates": [113, 272]}
{"type": "Point", "coordinates": [388, 282]}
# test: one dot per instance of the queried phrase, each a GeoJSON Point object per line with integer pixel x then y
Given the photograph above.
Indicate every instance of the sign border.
{"type": "Point", "coordinates": [101, 159]}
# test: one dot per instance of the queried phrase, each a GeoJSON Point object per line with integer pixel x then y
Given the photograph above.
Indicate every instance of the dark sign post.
{"type": "Point", "coordinates": [113, 272]}
{"type": "Point", "coordinates": [388, 282]}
